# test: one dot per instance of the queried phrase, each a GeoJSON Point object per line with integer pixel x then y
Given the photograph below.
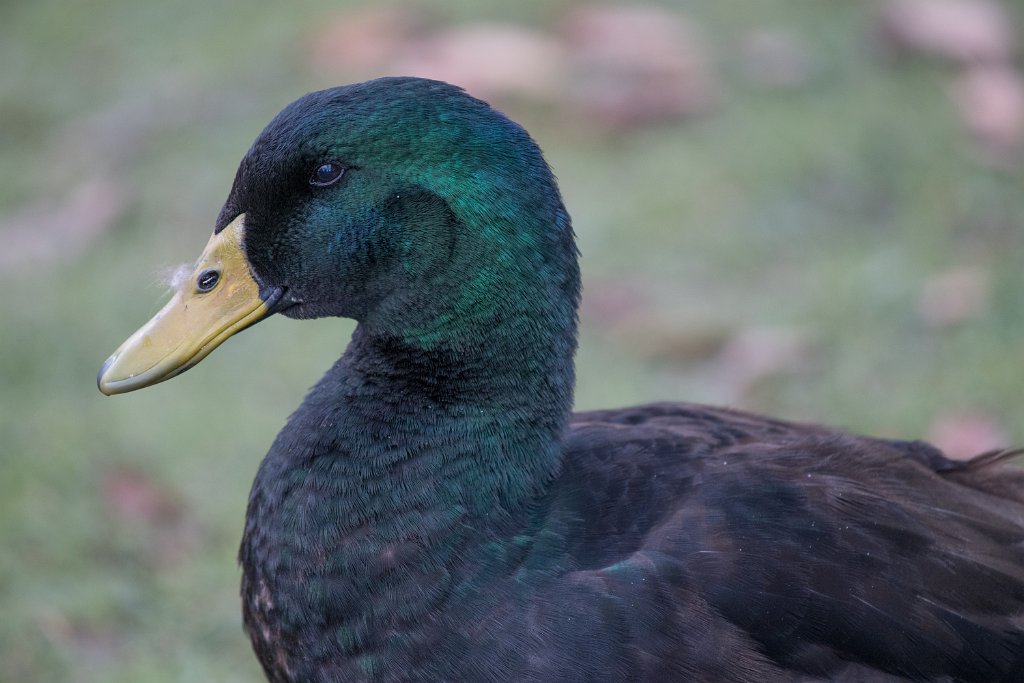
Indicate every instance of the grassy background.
{"type": "Point", "coordinates": [825, 209]}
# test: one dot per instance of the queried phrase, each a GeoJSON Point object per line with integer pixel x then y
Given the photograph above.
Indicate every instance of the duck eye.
{"type": "Point", "coordinates": [326, 174]}
{"type": "Point", "coordinates": [207, 280]}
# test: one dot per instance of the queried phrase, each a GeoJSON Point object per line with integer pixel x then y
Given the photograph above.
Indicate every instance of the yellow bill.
{"type": "Point", "coordinates": [219, 299]}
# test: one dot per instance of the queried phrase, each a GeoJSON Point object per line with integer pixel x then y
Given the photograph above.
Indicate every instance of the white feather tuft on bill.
{"type": "Point", "coordinates": [173, 276]}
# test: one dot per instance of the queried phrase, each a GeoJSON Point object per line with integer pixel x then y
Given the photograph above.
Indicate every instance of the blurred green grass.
{"type": "Point", "coordinates": [825, 209]}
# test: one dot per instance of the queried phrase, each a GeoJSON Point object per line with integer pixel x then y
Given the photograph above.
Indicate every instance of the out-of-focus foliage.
{"type": "Point", "coordinates": [806, 207]}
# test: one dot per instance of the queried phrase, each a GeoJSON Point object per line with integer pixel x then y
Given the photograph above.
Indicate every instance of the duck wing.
{"type": "Point", "coordinates": [709, 544]}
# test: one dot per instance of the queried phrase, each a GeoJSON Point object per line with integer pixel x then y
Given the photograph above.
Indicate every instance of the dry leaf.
{"type": "Point", "coordinates": [133, 497]}
{"type": "Point", "coordinates": [364, 42]}
{"type": "Point", "coordinates": [990, 100]}
{"type": "Point", "coordinates": [670, 338]}
{"type": "Point", "coordinates": [964, 435]}
{"type": "Point", "coordinates": [955, 296]}
{"type": "Point", "coordinates": [611, 301]}
{"type": "Point", "coordinates": [962, 31]}
{"type": "Point", "coordinates": [50, 231]}
{"type": "Point", "coordinates": [490, 60]}
{"type": "Point", "coordinates": [756, 353]}
{"type": "Point", "coordinates": [637, 64]}
{"type": "Point", "coordinates": [135, 500]}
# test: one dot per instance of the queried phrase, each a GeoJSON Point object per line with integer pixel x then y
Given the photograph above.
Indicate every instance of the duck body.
{"type": "Point", "coordinates": [434, 512]}
{"type": "Point", "coordinates": [676, 543]}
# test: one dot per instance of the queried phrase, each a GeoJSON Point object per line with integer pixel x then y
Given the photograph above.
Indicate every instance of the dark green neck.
{"type": "Point", "coordinates": [478, 422]}
{"type": "Point", "coordinates": [477, 362]}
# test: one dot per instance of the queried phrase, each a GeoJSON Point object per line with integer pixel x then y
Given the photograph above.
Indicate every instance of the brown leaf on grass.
{"type": "Point", "coordinates": [757, 353]}
{"type": "Point", "coordinates": [966, 434]}
{"type": "Point", "coordinates": [134, 500]}
{"type": "Point", "coordinates": [490, 60]}
{"type": "Point", "coordinates": [954, 296]}
{"type": "Point", "coordinates": [612, 301]}
{"type": "Point", "coordinates": [637, 64]}
{"type": "Point", "coordinates": [776, 58]}
{"type": "Point", "coordinates": [364, 42]}
{"type": "Point", "coordinates": [990, 100]}
{"type": "Point", "coordinates": [52, 231]}
{"type": "Point", "coordinates": [628, 316]}
{"type": "Point", "coordinates": [961, 31]}
{"type": "Point", "coordinates": [133, 497]}
{"type": "Point", "coordinates": [81, 638]}
{"type": "Point", "coordinates": [670, 338]}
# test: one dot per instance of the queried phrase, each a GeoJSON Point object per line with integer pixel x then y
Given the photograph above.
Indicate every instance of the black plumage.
{"type": "Point", "coordinates": [432, 511]}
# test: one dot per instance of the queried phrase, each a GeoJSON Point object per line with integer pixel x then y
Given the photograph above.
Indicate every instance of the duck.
{"type": "Point", "coordinates": [435, 511]}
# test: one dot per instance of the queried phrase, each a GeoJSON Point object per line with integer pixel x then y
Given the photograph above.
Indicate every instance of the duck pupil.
{"type": "Point", "coordinates": [207, 280]}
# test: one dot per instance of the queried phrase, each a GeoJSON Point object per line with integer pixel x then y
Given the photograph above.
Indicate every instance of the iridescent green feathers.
{"type": "Point", "coordinates": [452, 195]}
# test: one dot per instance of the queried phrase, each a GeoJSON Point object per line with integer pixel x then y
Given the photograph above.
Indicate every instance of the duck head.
{"type": "Point", "coordinates": [403, 203]}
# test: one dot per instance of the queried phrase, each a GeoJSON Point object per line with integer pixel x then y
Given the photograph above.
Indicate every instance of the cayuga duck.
{"type": "Point", "coordinates": [434, 512]}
